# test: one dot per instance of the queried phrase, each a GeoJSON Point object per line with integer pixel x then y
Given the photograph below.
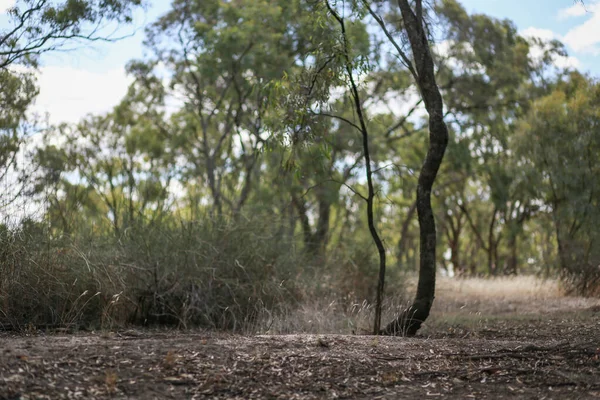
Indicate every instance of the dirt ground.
{"type": "Point", "coordinates": [530, 347]}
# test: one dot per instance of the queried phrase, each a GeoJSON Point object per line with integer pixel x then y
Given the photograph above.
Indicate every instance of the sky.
{"type": "Point", "coordinates": [92, 78]}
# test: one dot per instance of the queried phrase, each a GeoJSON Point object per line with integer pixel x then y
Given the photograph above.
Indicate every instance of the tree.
{"type": "Point", "coordinates": [559, 137]}
{"type": "Point", "coordinates": [39, 26]}
{"type": "Point", "coordinates": [17, 93]}
{"type": "Point", "coordinates": [123, 166]}
{"type": "Point", "coordinates": [370, 198]}
{"type": "Point", "coordinates": [421, 65]}
{"type": "Point", "coordinates": [223, 57]}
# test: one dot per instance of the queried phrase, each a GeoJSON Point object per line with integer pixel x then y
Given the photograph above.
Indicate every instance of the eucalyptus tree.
{"type": "Point", "coordinates": [40, 26]}
{"type": "Point", "coordinates": [220, 57]}
{"type": "Point", "coordinates": [422, 68]}
{"type": "Point", "coordinates": [111, 170]}
{"type": "Point", "coordinates": [560, 138]}
{"type": "Point", "coordinates": [35, 27]}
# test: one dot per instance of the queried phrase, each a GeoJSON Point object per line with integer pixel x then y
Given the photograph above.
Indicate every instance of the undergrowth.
{"type": "Point", "coordinates": [240, 276]}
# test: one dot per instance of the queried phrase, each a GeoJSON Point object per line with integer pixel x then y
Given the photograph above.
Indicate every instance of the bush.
{"type": "Point", "coordinates": [240, 275]}
{"type": "Point", "coordinates": [203, 274]}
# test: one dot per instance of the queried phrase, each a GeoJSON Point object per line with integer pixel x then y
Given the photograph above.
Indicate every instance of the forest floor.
{"type": "Point", "coordinates": [484, 341]}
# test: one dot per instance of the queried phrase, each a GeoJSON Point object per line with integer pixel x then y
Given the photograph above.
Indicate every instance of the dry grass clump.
{"type": "Point", "coordinates": [241, 276]}
{"type": "Point", "coordinates": [211, 274]}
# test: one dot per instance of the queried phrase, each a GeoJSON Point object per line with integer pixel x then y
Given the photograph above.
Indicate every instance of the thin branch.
{"type": "Point", "coordinates": [338, 182]}
{"type": "Point", "coordinates": [406, 61]}
{"type": "Point", "coordinates": [403, 120]}
{"type": "Point", "coordinates": [337, 117]}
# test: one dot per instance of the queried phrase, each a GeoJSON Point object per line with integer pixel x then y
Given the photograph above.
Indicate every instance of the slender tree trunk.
{"type": "Point", "coordinates": [453, 233]}
{"type": "Point", "coordinates": [321, 235]}
{"type": "Point", "coordinates": [249, 164]}
{"type": "Point", "coordinates": [512, 260]}
{"type": "Point", "coordinates": [217, 209]}
{"type": "Point", "coordinates": [315, 243]}
{"type": "Point", "coordinates": [410, 321]}
{"type": "Point", "coordinates": [369, 173]}
{"type": "Point", "coordinates": [404, 231]}
{"type": "Point", "coordinates": [491, 248]}
{"type": "Point", "coordinates": [304, 221]}
{"type": "Point", "coordinates": [455, 257]}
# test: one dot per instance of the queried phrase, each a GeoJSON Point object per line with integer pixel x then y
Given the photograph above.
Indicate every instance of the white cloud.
{"type": "Point", "coordinates": [576, 10]}
{"type": "Point", "coordinates": [544, 34]}
{"type": "Point", "coordinates": [567, 62]}
{"type": "Point", "coordinates": [537, 52]}
{"type": "Point", "coordinates": [68, 94]}
{"type": "Point", "coordinates": [585, 38]}
{"type": "Point", "coordinates": [5, 5]}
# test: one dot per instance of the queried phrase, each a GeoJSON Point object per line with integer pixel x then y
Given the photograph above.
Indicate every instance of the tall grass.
{"type": "Point", "coordinates": [239, 276]}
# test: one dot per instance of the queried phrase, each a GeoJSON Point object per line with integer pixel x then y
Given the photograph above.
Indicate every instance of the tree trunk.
{"type": "Point", "coordinates": [409, 321]}
{"type": "Point", "coordinates": [404, 232]}
{"type": "Point", "coordinates": [453, 234]}
{"type": "Point", "coordinates": [455, 258]}
{"type": "Point", "coordinates": [491, 247]}
{"type": "Point", "coordinates": [369, 174]}
{"type": "Point", "coordinates": [511, 268]}
{"type": "Point", "coordinates": [321, 235]}
{"type": "Point", "coordinates": [314, 243]}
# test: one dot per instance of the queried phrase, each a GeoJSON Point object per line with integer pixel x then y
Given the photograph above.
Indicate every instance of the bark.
{"type": "Point", "coordinates": [321, 235]}
{"type": "Point", "coordinates": [250, 162]}
{"type": "Point", "coordinates": [453, 234]}
{"type": "Point", "coordinates": [304, 222]}
{"type": "Point", "coordinates": [515, 229]}
{"type": "Point", "coordinates": [511, 268]}
{"type": "Point", "coordinates": [492, 243]}
{"type": "Point", "coordinates": [315, 242]}
{"type": "Point", "coordinates": [491, 247]}
{"type": "Point", "coordinates": [404, 231]}
{"type": "Point", "coordinates": [410, 321]}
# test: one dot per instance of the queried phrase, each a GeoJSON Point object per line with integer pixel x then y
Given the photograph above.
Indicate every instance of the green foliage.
{"type": "Point", "coordinates": [560, 139]}
{"type": "Point", "coordinates": [17, 93]}
{"type": "Point", "coordinates": [39, 26]}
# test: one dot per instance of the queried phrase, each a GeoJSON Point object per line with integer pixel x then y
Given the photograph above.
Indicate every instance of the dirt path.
{"type": "Point", "coordinates": [562, 363]}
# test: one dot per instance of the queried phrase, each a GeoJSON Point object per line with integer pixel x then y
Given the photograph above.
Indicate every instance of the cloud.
{"type": "Point", "coordinates": [537, 52]}
{"type": "Point", "coordinates": [576, 10]}
{"type": "Point", "coordinates": [67, 94]}
{"type": "Point", "coordinates": [567, 62]}
{"type": "Point", "coordinates": [5, 5]}
{"type": "Point", "coordinates": [585, 38]}
{"type": "Point", "coordinates": [544, 34]}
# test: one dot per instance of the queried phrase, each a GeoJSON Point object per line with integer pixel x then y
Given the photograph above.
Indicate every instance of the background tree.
{"type": "Point", "coordinates": [559, 137]}
{"type": "Point", "coordinates": [36, 27]}
{"type": "Point", "coordinates": [39, 26]}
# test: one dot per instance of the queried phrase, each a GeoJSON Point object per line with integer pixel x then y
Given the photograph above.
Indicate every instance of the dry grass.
{"type": "Point", "coordinates": [466, 302]}
{"type": "Point", "coordinates": [475, 305]}
{"type": "Point", "coordinates": [520, 295]}
{"type": "Point", "coordinates": [513, 287]}
{"type": "Point", "coordinates": [322, 317]}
